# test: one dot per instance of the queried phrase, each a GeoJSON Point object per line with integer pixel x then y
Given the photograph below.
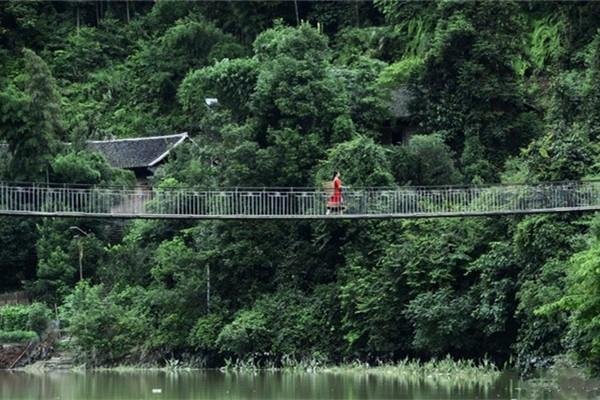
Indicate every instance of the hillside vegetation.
{"type": "Point", "coordinates": [499, 92]}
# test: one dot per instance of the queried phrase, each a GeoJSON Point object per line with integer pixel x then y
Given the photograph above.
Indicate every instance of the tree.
{"type": "Point", "coordinates": [542, 245]}
{"type": "Point", "coordinates": [500, 89]}
{"type": "Point", "coordinates": [296, 87]}
{"type": "Point", "coordinates": [31, 122]}
{"type": "Point", "coordinates": [161, 64]}
{"type": "Point", "coordinates": [89, 168]}
{"type": "Point", "coordinates": [425, 160]}
{"type": "Point", "coordinates": [493, 294]}
{"type": "Point", "coordinates": [106, 326]}
{"type": "Point", "coordinates": [58, 250]}
{"type": "Point", "coordinates": [564, 153]}
{"type": "Point", "coordinates": [580, 300]}
{"type": "Point", "coordinates": [18, 256]}
{"type": "Point", "coordinates": [92, 48]}
{"type": "Point", "coordinates": [230, 81]}
{"type": "Point", "coordinates": [468, 89]}
{"type": "Point", "coordinates": [247, 333]}
{"type": "Point", "coordinates": [369, 104]}
{"type": "Point", "coordinates": [441, 321]}
{"type": "Point", "coordinates": [373, 294]}
{"type": "Point", "coordinates": [361, 161]}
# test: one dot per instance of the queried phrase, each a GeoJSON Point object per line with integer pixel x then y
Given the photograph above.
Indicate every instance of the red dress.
{"type": "Point", "coordinates": [336, 199]}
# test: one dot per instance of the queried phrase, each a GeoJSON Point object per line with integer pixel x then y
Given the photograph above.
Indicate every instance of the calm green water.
{"type": "Point", "coordinates": [217, 385]}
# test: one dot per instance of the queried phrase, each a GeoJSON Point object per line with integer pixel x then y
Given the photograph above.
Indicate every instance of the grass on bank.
{"type": "Point", "coordinates": [462, 370]}
{"type": "Point", "coordinates": [446, 367]}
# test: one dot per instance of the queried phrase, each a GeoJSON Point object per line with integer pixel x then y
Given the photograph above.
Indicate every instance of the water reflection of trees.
{"type": "Point", "coordinates": [384, 382]}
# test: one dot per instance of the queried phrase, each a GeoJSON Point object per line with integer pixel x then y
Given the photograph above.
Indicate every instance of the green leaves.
{"type": "Point", "coordinates": [467, 88]}
{"type": "Point", "coordinates": [205, 333]}
{"type": "Point", "coordinates": [284, 324]}
{"type": "Point", "coordinates": [32, 123]}
{"type": "Point", "coordinates": [401, 72]}
{"type": "Point", "coordinates": [102, 328]}
{"type": "Point", "coordinates": [425, 161]}
{"type": "Point", "coordinates": [295, 104]}
{"type": "Point", "coordinates": [546, 41]}
{"type": "Point", "coordinates": [302, 43]}
{"type": "Point", "coordinates": [20, 323]}
{"type": "Point", "coordinates": [361, 162]}
{"type": "Point", "coordinates": [441, 322]}
{"type": "Point", "coordinates": [230, 81]}
{"type": "Point", "coordinates": [174, 261]}
{"type": "Point", "coordinates": [564, 153]}
{"type": "Point", "coordinates": [247, 333]}
{"type": "Point", "coordinates": [296, 86]}
{"type": "Point", "coordinates": [580, 300]}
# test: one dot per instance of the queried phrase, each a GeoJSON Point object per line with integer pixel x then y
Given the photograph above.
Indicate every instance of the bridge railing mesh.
{"type": "Point", "coordinates": [266, 203]}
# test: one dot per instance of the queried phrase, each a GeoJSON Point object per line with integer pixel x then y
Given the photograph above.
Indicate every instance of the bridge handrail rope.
{"type": "Point", "coordinates": [42, 199]}
{"type": "Point", "coordinates": [299, 188]}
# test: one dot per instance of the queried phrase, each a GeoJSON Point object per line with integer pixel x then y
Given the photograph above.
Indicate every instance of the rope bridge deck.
{"type": "Point", "coordinates": [295, 203]}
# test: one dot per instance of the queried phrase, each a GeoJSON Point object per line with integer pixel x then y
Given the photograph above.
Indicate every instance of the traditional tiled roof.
{"type": "Point", "coordinates": [136, 152]}
{"type": "Point", "coordinates": [142, 152]}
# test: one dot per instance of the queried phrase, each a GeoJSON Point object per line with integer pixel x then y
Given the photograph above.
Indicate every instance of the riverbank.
{"type": "Point", "coordinates": [356, 382]}
{"type": "Point", "coordinates": [10, 353]}
{"type": "Point", "coordinates": [466, 369]}
{"type": "Point", "coordinates": [443, 372]}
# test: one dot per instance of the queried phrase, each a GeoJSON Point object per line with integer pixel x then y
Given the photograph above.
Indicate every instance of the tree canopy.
{"type": "Point", "coordinates": [491, 92]}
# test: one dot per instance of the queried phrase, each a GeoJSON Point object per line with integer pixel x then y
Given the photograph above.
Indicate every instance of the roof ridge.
{"type": "Point", "coordinates": [159, 158]}
{"type": "Point", "coordinates": [130, 153]}
{"type": "Point", "coordinates": [180, 135]}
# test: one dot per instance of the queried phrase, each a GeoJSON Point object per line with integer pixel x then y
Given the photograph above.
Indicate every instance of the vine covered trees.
{"type": "Point", "coordinates": [490, 92]}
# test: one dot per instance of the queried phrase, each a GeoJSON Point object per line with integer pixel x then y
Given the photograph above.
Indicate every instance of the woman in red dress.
{"type": "Point", "coordinates": [336, 199]}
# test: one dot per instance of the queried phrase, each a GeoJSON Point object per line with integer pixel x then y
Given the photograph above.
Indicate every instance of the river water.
{"type": "Point", "coordinates": [215, 385]}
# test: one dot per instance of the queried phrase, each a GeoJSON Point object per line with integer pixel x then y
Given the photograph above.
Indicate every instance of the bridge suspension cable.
{"type": "Point", "coordinates": [296, 203]}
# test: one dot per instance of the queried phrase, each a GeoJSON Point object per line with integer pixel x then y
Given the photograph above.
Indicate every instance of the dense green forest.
{"type": "Point", "coordinates": [497, 92]}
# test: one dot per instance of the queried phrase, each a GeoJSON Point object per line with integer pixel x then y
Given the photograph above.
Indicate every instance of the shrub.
{"type": "Point", "coordinates": [14, 318]}
{"type": "Point", "coordinates": [108, 325]}
{"type": "Point", "coordinates": [247, 333]}
{"type": "Point", "coordinates": [87, 167]}
{"type": "Point", "coordinates": [580, 301]}
{"type": "Point", "coordinates": [17, 336]}
{"type": "Point", "coordinates": [92, 319]}
{"type": "Point", "coordinates": [441, 320]}
{"type": "Point", "coordinates": [205, 332]}
{"type": "Point", "coordinates": [32, 317]}
{"type": "Point", "coordinates": [38, 318]}
{"type": "Point", "coordinates": [287, 324]}
{"type": "Point", "coordinates": [400, 72]}
{"type": "Point", "coordinates": [361, 161]}
{"type": "Point", "coordinates": [425, 160]}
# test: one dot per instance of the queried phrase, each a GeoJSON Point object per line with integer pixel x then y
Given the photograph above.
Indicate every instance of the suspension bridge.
{"type": "Point", "coordinates": [51, 200]}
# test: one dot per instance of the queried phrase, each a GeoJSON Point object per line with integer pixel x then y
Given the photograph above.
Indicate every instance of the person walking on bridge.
{"type": "Point", "coordinates": [335, 202]}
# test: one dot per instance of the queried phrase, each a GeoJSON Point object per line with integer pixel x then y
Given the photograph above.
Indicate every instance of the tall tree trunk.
{"type": "Point", "coordinates": [127, 8]}
{"type": "Point", "coordinates": [78, 18]}
{"type": "Point", "coordinates": [296, 10]}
